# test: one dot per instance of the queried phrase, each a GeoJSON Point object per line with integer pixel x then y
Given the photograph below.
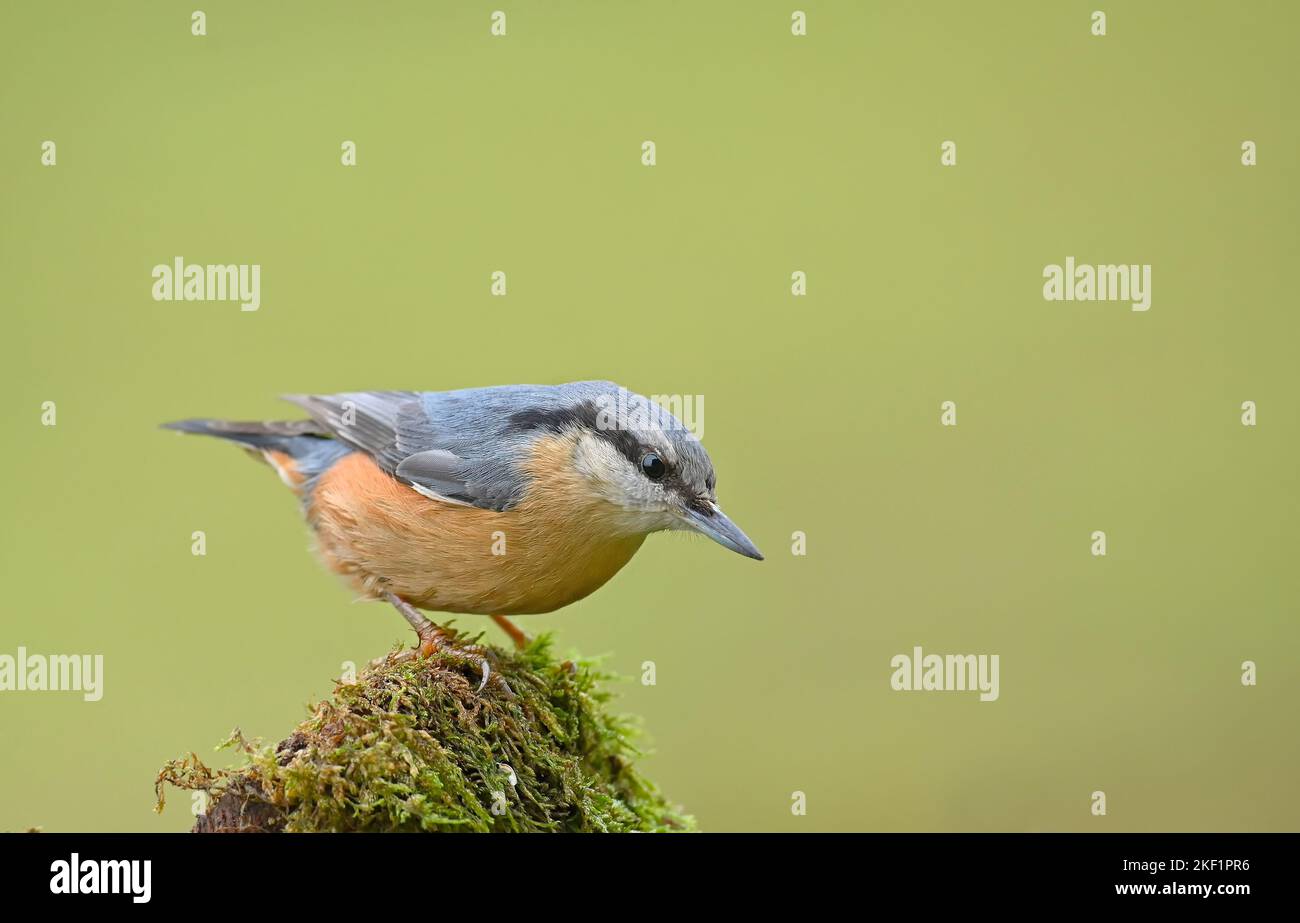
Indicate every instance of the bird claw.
{"type": "Point", "coordinates": [436, 642]}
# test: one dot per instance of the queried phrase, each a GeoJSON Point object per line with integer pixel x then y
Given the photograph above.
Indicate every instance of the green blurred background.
{"type": "Point", "coordinates": [775, 154]}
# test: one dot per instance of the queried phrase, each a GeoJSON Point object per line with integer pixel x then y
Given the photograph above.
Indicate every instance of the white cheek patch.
{"type": "Point", "coordinates": [613, 476]}
{"type": "Point", "coordinates": [594, 458]}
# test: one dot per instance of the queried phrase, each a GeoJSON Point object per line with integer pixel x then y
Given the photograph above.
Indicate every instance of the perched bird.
{"type": "Point", "coordinates": [497, 501]}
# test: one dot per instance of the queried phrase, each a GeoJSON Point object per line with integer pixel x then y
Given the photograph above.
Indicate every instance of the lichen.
{"type": "Point", "coordinates": [414, 744]}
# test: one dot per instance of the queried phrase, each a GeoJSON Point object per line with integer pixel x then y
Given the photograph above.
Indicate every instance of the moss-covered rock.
{"type": "Point", "coordinates": [427, 744]}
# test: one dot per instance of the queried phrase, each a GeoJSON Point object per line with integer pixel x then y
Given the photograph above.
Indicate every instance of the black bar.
{"type": "Point", "coordinates": [330, 872]}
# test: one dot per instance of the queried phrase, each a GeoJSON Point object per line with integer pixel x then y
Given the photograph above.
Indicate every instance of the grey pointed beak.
{"type": "Point", "coordinates": [715, 524]}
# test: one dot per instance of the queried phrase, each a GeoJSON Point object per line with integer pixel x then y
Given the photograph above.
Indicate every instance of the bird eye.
{"type": "Point", "coordinates": [653, 466]}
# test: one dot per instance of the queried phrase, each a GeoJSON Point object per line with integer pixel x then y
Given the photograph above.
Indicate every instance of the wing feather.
{"type": "Point", "coordinates": [446, 447]}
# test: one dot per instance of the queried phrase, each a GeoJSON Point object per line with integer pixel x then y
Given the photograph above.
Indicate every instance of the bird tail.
{"type": "Point", "coordinates": [298, 450]}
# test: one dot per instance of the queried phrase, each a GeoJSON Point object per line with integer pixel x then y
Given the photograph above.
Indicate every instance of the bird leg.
{"type": "Point", "coordinates": [433, 639]}
{"type": "Point", "coordinates": [431, 636]}
{"type": "Point", "coordinates": [516, 634]}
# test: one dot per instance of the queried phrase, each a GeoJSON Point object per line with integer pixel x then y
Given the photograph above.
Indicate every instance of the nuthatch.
{"type": "Point", "coordinates": [495, 501]}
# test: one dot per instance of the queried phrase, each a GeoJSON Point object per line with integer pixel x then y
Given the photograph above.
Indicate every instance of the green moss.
{"type": "Point", "coordinates": [414, 744]}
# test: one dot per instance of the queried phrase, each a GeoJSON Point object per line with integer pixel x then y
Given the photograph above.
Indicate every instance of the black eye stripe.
{"type": "Point", "coordinates": [584, 415]}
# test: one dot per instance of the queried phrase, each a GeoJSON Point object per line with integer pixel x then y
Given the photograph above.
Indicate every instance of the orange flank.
{"type": "Point", "coordinates": [558, 544]}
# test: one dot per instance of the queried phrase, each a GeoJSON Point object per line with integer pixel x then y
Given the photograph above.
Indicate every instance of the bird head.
{"type": "Point", "coordinates": [649, 468]}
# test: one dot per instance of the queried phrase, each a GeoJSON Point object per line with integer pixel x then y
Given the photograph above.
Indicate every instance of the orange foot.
{"type": "Point", "coordinates": [516, 634]}
{"type": "Point", "coordinates": [432, 638]}
{"type": "Point", "coordinates": [428, 645]}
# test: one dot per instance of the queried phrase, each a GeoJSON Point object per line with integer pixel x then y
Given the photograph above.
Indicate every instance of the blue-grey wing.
{"type": "Point", "coordinates": [460, 446]}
